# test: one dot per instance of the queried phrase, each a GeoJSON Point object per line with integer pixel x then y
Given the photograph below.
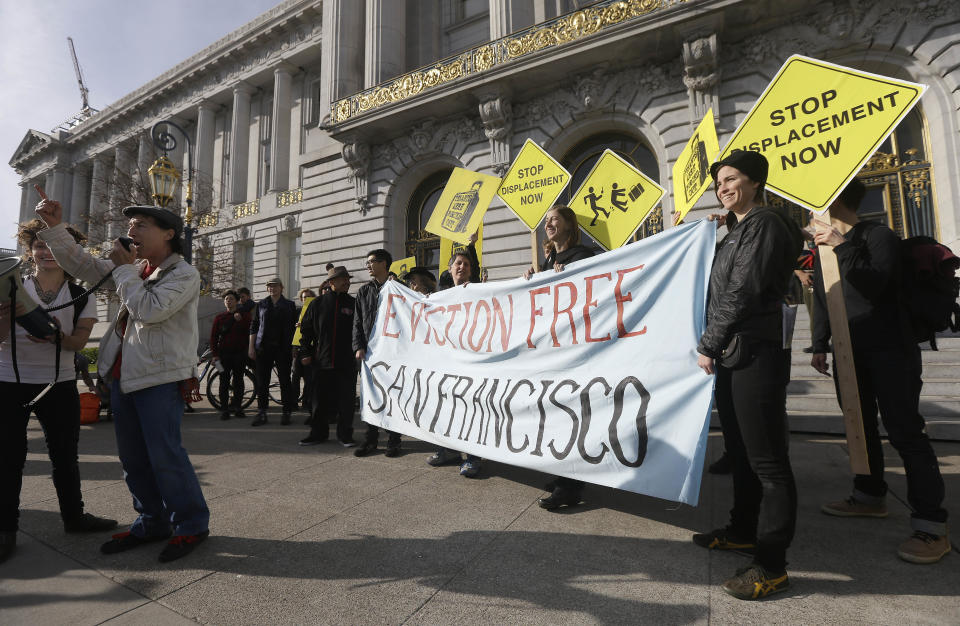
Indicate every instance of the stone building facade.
{"type": "Point", "coordinates": [326, 128]}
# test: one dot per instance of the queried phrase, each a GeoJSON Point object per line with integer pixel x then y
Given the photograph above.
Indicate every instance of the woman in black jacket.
{"type": "Point", "coordinates": [561, 247]}
{"type": "Point", "coordinates": [743, 345]}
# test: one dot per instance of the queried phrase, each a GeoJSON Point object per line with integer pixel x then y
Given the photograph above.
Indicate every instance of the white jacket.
{"type": "Point", "coordinates": [160, 343]}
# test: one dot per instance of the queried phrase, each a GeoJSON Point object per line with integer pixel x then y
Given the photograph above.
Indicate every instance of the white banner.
{"type": "Point", "coordinates": [589, 373]}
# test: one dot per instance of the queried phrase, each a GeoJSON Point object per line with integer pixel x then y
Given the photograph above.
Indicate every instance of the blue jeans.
{"type": "Point", "coordinates": [158, 472]}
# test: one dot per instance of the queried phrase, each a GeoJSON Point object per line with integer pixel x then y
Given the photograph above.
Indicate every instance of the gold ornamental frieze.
{"type": "Point", "coordinates": [556, 32]}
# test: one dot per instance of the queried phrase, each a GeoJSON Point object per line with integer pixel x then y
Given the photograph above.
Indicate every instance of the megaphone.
{"type": "Point", "coordinates": [34, 320]}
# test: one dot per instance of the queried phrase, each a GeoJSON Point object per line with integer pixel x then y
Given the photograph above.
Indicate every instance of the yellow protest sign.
{"type": "Point", "coordinates": [614, 200]}
{"type": "Point", "coordinates": [533, 183]}
{"type": "Point", "coordinates": [459, 211]}
{"type": "Point", "coordinates": [448, 247]}
{"type": "Point", "coordinates": [303, 311]}
{"type": "Point", "coordinates": [691, 172]}
{"type": "Point", "coordinates": [818, 124]}
{"type": "Point", "coordinates": [403, 266]}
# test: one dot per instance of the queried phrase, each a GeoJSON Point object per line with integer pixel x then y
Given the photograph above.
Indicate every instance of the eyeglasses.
{"type": "Point", "coordinates": [369, 263]}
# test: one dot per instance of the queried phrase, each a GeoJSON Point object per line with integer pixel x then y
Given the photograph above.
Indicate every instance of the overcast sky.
{"type": "Point", "coordinates": [121, 44]}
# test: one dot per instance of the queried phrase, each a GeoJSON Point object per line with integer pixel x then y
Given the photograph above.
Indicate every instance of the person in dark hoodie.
{"type": "Point", "coordinates": [326, 346]}
{"type": "Point", "coordinates": [886, 360]}
{"type": "Point", "coordinates": [271, 334]}
{"type": "Point", "coordinates": [378, 266]}
{"type": "Point", "coordinates": [743, 345]}
{"type": "Point", "coordinates": [561, 247]}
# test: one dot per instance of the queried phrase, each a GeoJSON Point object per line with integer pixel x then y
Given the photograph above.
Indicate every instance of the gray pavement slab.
{"type": "Point", "coordinates": [316, 535]}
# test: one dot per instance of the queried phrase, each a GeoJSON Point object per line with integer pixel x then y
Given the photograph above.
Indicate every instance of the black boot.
{"type": "Point", "coordinates": [561, 496]}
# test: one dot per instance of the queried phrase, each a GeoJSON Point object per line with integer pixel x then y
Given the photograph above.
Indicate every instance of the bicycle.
{"type": "Point", "coordinates": [249, 387]}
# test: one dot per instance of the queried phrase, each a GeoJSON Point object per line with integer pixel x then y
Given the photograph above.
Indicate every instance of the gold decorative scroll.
{"type": "Point", "coordinates": [246, 209]}
{"type": "Point", "coordinates": [556, 32]}
{"type": "Point", "coordinates": [291, 196]}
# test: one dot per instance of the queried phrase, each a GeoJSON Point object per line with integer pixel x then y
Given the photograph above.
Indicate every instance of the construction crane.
{"type": "Point", "coordinates": [86, 111]}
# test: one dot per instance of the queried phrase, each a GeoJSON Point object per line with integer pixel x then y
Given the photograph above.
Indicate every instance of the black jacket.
{"type": "Point", "coordinates": [870, 274]}
{"type": "Point", "coordinates": [571, 254]}
{"type": "Point", "coordinates": [266, 315]}
{"type": "Point", "coordinates": [326, 331]}
{"type": "Point", "coordinates": [367, 300]}
{"type": "Point", "coordinates": [751, 273]}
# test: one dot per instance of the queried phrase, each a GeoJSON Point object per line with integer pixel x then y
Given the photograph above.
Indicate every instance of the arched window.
{"type": "Point", "coordinates": [421, 244]}
{"type": "Point", "coordinates": [580, 159]}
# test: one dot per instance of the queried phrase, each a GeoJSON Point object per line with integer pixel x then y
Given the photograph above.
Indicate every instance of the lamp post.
{"type": "Point", "coordinates": [164, 177]}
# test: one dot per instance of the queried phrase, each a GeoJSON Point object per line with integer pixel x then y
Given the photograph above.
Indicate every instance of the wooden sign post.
{"type": "Point", "coordinates": [843, 355]}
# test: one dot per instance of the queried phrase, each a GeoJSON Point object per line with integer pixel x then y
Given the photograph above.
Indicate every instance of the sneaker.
{"type": "Point", "coordinates": [561, 496]}
{"type": "Point", "coordinates": [469, 469]}
{"type": "Point", "coordinates": [365, 449]}
{"type": "Point", "coordinates": [348, 443]}
{"type": "Point", "coordinates": [260, 420]}
{"type": "Point", "coordinates": [851, 507]}
{"type": "Point", "coordinates": [753, 582]}
{"type": "Point", "coordinates": [924, 548]}
{"type": "Point", "coordinates": [239, 413]}
{"type": "Point", "coordinates": [723, 465]}
{"type": "Point", "coordinates": [444, 457]}
{"type": "Point", "coordinates": [121, 542]}
{"type": "Point", "coordinates": [721, 539]}
{"type": "Point", "coordinates": [8, 543]}
{"type": "Point", "coordinates": [285, 418]}
{"type": "Point", "coordinates": [224, 415]}
{"type": "Point", "coordinates": [180, 546]}
{"type": "Point", "coordinates": [312, 440]}
{"type": "Point", "coordinates": [88, 523]}
{"type": "Point", "coordinates": [392, 451]}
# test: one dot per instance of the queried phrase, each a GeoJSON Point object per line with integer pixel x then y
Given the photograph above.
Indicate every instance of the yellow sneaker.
{"type": "Point", "coordinates": [753, 583]}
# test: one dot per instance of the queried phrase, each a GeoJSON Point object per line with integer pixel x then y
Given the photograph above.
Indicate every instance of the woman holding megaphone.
{"type": "Point", "coordinates": [59, 408]}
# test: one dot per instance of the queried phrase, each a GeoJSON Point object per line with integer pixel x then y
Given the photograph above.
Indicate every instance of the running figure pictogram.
{"type": "Point", "coordinates": [593, 198]}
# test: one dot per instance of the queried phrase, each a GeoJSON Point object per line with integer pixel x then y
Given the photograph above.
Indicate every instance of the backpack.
{"type": "Point", "coordinates": [930, 287]}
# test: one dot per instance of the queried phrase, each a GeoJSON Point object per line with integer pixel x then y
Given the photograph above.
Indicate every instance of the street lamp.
{"type": "Point", "coordinates": [164, 177]}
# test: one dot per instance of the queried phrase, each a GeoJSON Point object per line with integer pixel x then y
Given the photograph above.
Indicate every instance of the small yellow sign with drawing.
{"type": "Point", "coordinates": [459, 211]}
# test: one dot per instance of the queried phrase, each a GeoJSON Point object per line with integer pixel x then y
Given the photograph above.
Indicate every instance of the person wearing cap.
{"type": "Point", "coordinates": [378, 266]}
{"type": "Point", "coordinates": [148, 356]}
{"type": "Point", "coordinates": [272, 326]}
{"type": "Point", "coordinates": [743, 346]}
{"type": "Point", "coordinates": [326, 346]}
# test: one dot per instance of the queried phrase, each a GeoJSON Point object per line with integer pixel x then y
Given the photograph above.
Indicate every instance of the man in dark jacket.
{"type": "Point", "coordinates": [326, 337]}
{"type": "Point", "coordinates": [378, 266]}
{"type": "Point", "coordinates": [228, 339]}
{"type": "Point", "coordinates": [271, 335]}
{"type": "Point", "coordinates": [888, 369]}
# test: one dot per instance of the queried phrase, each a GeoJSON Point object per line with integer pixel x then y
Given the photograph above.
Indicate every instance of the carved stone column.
{"type": "Point", "coordinates": [701, 75]}
{"type": "Point", "coordinates": [80, 196]}
{"type": "Point", "coordinates": [342, 49]}
{"type": "Point", "coordinates": [206, 133]}
{"type": "Point", "coordinates": [240, 142]}
{"type": "Point", "coordinates": [357, 156]}
{"type": "Point", "coordinates": [99, 180]}
{"type": "Point", "coordinates": [120, 190]}
{"type": "Point", "coordinates": [25, 208]}
{"type": "Point", "coordinates": [280, 132]}
{"type": "Point", "coordinates": [145, 157]}
{"type": "Point", "coordinates": [507, 16]}
{"type": "Point", "coordinates": [496, 114]}
{"type": "Point", "coordinates": [385, 41]}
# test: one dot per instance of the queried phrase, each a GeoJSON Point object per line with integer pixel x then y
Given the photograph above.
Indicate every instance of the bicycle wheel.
{"type": "Point", "coordinates": [213, 388]}
{"type": "Point", "coordinates": [249, 387]}
{"type": "Point", "coordinates": [274, 389]}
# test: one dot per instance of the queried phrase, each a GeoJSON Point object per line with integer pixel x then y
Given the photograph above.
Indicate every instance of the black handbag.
{"type": "Point", "coordinates": [737, 354]}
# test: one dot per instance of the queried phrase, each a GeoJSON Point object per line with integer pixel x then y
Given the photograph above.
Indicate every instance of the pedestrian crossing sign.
{"type": "Point", "coordinates": [614, 199]}
{"type": "Point", "coordinates": [533, 183]}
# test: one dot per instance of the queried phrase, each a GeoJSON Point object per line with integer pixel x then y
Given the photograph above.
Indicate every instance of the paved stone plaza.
{"type": "Point", "coordinates": [315, 535]}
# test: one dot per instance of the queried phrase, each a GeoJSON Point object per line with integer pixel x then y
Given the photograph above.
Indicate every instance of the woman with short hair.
{"type": "Point", "coordinates": [743, 345]}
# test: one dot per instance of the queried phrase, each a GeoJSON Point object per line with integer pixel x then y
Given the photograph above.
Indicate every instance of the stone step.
{"type": "Point", "coordinates": [826, 404]}
{"type": "Point", "coordinates": [818, 384]}
{"type": "Point", "coordinates": [943, 428]}
{"type": "Point", "coordinates": [927, 357]}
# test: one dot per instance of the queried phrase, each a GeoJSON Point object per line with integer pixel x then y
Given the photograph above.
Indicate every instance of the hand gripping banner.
{"type": "Point", "coordinates": [589, 373]}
